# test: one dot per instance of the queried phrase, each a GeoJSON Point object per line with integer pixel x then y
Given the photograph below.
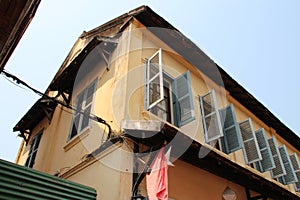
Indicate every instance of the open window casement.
{"type": "Point", "coordinates": [154, 80]}
{"type": "Point", "coordinates": [296, 164]}
{"type": "Point", "coordinates": [231, 140]}
{"type": "Point", "coordinates": [267, 162]}
{"type": "Point", "coordinates": [279, 169]}
{"type": "Point", "coordinates": [183, 100]}
{"type": "Point", "coordinates": [251, 150]}
{"type": "Point", "coordinates": [210, 117]}
{"type": "Point", "coordinates": [290, 176]}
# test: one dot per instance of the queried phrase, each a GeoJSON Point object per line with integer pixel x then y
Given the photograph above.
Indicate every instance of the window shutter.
{"type": "Point", "coordinates": [231, 141]}
{"type": "Point", "coordinates": [210, 117]}
{"type": "Point", "coordinates": [279, 170]}
{"type": "Point", "coordinates": [251, 149]}
{"type": "Point", "coordinates": [290, 176]}
{"type": "Point", "coordinates": [267, 162]}
{"type": "Point", "coordinates": [296, 164]}
{"type": "Point", "coordinates": [183, 100]}
{"type": "Point", "coordinates": [154, 80]}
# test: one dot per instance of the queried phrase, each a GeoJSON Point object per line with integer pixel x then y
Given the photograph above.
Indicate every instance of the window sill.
{"type": "Point", "coordinates": [77, 139]}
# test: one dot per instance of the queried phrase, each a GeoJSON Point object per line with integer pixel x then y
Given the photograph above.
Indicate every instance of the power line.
{"type": "Point", "coordinates": [45, 96]}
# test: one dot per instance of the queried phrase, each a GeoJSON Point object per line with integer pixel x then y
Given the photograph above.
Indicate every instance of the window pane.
{"type": "Point", "coordinates": [154, 67]}
{"type": "Point", "coordinates": [75, 127]}
{"type": "Point", "coordinates": [33, 150]}
{"type": "Point", "coordinates": [154, 90]}
{"type": "Point", "coordinates": [89, 96]}
{"type": "Point", "coordinates": [79, 102]}
{"type": "Point", "coordinates": [86, 119]}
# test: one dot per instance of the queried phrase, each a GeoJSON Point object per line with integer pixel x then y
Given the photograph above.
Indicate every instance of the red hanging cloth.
{"type": "Point", "coordinates": [157, 179]}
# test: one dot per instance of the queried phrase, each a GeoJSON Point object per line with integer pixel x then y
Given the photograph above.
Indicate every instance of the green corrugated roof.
{"type": "Point", "coordinates": [19, 182]}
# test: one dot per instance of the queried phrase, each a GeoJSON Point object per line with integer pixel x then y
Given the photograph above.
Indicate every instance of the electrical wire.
{"type": "Point", "coordinates": [45, 96]}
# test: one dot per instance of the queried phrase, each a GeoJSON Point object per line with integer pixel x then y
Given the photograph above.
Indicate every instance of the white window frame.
{"type": "Point", "coordinates": [149, 80]}
{"type": "Point", "coordinates": [214, 112]}
{"type": "Point", "coordinates": [83, 108]}
{"type": "Point", "coordinates": [176, 117]}
{"type": "Point", "coordinates": [34, 146]}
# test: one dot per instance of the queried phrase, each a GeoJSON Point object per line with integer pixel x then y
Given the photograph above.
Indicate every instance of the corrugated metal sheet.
{"type": "Point", "coordinates": [19, 182]}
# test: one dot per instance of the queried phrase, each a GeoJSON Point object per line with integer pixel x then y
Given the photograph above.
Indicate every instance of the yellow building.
{"type": "Point", "coordinates": [135, 84]}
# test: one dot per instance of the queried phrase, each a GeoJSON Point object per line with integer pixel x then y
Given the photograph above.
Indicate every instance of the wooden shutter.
{"type": "Point", "coordinates": [183, 100]}
{"type": "Point", "coordinates": [154, 80]}
{"type": "Point", "coordinates": [296, 164]}
{"type": "Point", "coordinates": [231, 140]}
{"type": "Point", "coordinates": [290, 176]}
{"type": "Point", "coordinates": [251, 149]}
{"type": "Point", "coordinates": [279, 169]}
{"type": "Point", "coordinates": [267, 162]}
{"type": "Point", "coordinates": [210, 117]}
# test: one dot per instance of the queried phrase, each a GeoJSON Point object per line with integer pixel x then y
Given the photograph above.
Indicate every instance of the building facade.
{"type": "Point", "coordinates": [135, 84]}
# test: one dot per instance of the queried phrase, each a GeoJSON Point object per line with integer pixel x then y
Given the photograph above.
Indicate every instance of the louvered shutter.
{"type": "Point", "coordinates": [279, 169]}
{"type": "Point", "coordinates": [296, 164]}
{"type": "Point", "coordinates": [210, 117]}
{"type": "Point", "coordinates": [183, 100]}
{"type": "Point", "coordinates": [290, 176]}
{"type": "Point", "coordinates": [231, 141]}
{"type": "Point", "coordinates": [251, 150]}
{"type": "Point", "coordinates": [267, 162]}
{"type": "Point", "coordinates": [154, 80]}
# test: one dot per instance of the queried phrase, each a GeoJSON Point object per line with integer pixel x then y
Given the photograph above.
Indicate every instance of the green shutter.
{"type": "Point", "coordinates": [251, 150]}
{"type": "Point", "coordinates": [210, 117]}
{"type": "Point", "coordinates": [279, 169]}
{"type": "Point", "coordinates": [231, 141]}
{"type": "Point", "coordinates": [290, 176]}
{"type": "Point", "coordinates": [183, 100]}
{"type": "Point", "coordinates": [296, 164]}
{"type": "Point", "coordinates": [267, 162]}
{"type": "Point", "coordinates": [154, 80]}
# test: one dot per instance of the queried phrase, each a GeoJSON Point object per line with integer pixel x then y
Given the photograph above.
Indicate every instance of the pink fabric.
{"type": "Point", "coordinates": [157, 179]}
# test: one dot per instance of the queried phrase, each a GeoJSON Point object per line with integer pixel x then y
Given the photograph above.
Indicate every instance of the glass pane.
{"type": "Point", "coordinates": [154, 66]}
{"type": "Point", "coordinates": [75, 126]}
{"type": "Point", "coordinates": [89, 96]}
{"type": "Point", "coordinates": [212, 126]}
{"type": "Point", "coordinates": [86, 119]}
{"type": "Point", "coordinates": [154, 90]}
{"type": "Point", "coordinates": [79, 102]}
{"type": "Point", "coordinates": [207, 104]}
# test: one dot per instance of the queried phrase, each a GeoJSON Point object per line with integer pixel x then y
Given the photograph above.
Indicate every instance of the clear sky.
{"type": "Point", "coordinates": [256, 42]}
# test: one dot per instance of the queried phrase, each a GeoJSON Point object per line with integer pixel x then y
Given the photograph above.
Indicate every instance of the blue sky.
{"type": "Point", "coordinates": [256, 42]}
